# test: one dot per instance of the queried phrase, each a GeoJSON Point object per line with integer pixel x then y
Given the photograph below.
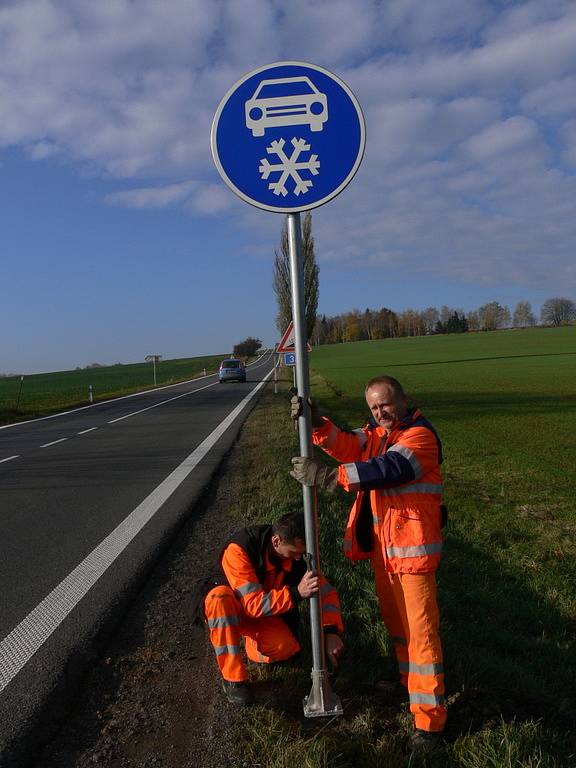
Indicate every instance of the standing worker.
{"type": "Point", "coordinates": [393, 465]}
{"type": "Point", "coordinates": [264, 578]}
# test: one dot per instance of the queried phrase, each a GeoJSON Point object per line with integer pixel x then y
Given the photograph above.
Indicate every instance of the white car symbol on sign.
{"type": "Point", "coordinates": [286, 101]}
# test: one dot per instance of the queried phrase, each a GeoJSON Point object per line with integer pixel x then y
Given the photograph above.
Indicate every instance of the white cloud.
{"type": "Point", "coordinates": [211, 199]}
{"type": "Point", "coordinates": [415, 23]}
{"type": "Point", "coordinates": [152, 197]}
{"type": "Point", "coordinates": [569, 135]}
{"type": "Point", "coordinates": [41, 150]}
{"type": "Point", "coordinates": [505, 137]}
{"type": "Point", "coordinates": [552, 99]}
{"type": "Point", "coordinates": [462, 101]}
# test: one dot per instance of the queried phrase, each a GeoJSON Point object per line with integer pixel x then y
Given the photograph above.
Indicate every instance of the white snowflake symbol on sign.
{"type": "Point", "coordinates": [289, 167]}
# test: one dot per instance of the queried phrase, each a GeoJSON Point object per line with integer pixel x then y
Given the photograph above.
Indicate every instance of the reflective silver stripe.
{"type": "Point", "coordinates": [397, 640]}
{"type": "Point", "coordinates": [220, 650]}
{"type": "Point", "coordinates": [223, 621]}
{"type": "Point", "coordinates": [420, 549]}
{"type": "Point", "coordinates": [410, 455]}
{"type": "Point", "coordinates": [250, 586]}
{"type": "Point", "coordinates": [266, 605]}
{"type": "Point", "coordinates": [330, 608]}
{"type": "Point", "coordinates": [352, 473]}
{"type": "Point", "coordinates": [362, 437]}
{"type": "Point", "coordinates": [421, 669]}
{"type": "Point", "coordinates": [426, 698]}
{"type": "Point", "coordinates": [376, 520]}
{"type": "Point", "coordinates": [402, 490]}
{"type": "Point", "coordinates": [326, 588]}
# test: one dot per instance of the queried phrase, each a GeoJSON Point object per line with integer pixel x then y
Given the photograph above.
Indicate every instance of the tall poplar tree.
{"type": "Point", "coordinates": [282, 286]}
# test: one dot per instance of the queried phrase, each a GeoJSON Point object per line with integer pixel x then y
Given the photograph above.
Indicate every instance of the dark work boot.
{"type": "Point", "coordinates": [425, 741]}
{"type": "Point", "coordinates": [238, 693]}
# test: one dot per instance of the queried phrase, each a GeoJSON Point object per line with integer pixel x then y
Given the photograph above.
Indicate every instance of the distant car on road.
{"type": "Point", "coordinates": [286, 101]}
{"type": "Point", "coordinates": [231, 369]}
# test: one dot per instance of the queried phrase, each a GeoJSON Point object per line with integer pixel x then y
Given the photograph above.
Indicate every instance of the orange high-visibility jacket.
{"type": "Point", "coordinates": [399, 490]}
{"type": "Point", "coordinates": [267, 585]}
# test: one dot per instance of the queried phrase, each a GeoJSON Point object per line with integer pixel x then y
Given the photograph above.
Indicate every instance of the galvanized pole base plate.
{"type": "Point", "coordinates": [322, 701]}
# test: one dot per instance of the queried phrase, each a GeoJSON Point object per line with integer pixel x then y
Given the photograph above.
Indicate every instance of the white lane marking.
{"type": "Point", "coordinates": [163, 402]}
{"type": "Point", "coordinates": [47, 445]}
{"type": "Point", "coordinates": [8, 459]}
{"type": "Point", "coordinates": [85, 431]}
{"type": "Point", "coordinates": [24, 640]}
{"type": "Point", "coordinates": [114, 399]}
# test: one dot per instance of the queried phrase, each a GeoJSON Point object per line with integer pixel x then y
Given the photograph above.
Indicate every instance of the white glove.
{"type": "Point", "coordinates": [315, 414]}
{"type": "Point", "coordinates": [311, 472]}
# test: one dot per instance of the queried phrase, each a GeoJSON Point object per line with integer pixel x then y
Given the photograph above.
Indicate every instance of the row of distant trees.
{"type": "Point", "coordinates": [385, 323]}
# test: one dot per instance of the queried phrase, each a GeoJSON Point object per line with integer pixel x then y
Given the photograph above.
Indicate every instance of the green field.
{"type": "Point", "coordinates": [504, 404]}
{"type": "Point", "coordinates": [45, 393]}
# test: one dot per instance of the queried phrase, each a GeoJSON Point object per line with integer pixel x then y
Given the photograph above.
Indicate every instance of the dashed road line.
{"type": "Point", "coordinates": [255, 364]}
{"type": "Point", "coordinates": [84, 431]}
{"type": "Point", "coordinates": [142, 410]}
{"type": "Point", "coordinates": [47, 445]}
{"type": "Point", "coordinates": [18, 647]}
{"type": "Point", "coordinates": [8, 459]}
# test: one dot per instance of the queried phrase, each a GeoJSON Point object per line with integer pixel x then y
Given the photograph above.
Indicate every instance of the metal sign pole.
{"type": "Point", "coordinates": [321, 701]}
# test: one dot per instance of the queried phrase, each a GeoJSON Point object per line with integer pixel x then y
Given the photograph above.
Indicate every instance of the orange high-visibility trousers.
{"type": "Point", "coordinates": [410, 612]}
{"type": "Point", "coordinates": [266, 640]}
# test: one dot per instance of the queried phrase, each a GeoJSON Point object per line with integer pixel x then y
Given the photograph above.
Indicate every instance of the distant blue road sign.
{"type": "Point", "coordinates": [288, 137]}
{"type": "Point", "coordinates": [289, 358]}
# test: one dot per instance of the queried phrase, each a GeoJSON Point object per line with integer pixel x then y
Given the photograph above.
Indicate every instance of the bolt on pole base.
{"type": "Point", "coordinates": [322, 701]}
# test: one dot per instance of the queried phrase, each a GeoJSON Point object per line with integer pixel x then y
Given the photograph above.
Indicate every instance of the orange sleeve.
{"type": "Point", "coordinates": [256, 601]}
{"type": "Point", "coordinates": [341, 444]}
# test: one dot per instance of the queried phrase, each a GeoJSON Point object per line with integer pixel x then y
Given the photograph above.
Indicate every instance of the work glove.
{"type": "Point", "coordinates": [311, 472]}
{"type": "Point", "coordinates": [296, 410]}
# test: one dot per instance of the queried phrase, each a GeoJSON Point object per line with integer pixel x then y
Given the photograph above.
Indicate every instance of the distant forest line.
{"type": "Point", "coordinates": [372, 324]}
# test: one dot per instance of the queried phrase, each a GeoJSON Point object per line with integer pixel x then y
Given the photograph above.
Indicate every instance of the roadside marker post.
{"type": "Point", "coordinates": [289, 137]}
{"type": "Point", "coordinates": [154, 359]}
{"type": "Point", "coordinates": [19, 393]}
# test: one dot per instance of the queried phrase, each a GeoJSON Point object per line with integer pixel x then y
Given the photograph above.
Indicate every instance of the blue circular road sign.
{"type": "Point", "coordinates": [288, 137]}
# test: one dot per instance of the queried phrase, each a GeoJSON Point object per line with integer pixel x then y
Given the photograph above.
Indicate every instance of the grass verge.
{"type": "Point", "coordinates": [42, 394]}
{"type": "Point", "coordinates": [508, 627]}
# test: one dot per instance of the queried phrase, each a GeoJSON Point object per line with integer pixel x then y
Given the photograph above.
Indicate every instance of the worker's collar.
{"type": "Point", "coordinates": [273, 561]}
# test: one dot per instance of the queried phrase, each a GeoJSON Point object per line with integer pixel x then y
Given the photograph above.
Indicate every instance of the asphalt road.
{"type": "Point", "coordinates": [88, 500]}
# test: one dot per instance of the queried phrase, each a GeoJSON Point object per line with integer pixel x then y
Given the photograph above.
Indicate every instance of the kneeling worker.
{"type": "Point", "coordinates": [264, 577]}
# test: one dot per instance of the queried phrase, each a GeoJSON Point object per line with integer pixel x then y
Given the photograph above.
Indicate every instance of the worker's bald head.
{"type": "Point", "coordinates": [387, 401]}
{"type": "Point", "coordinates": [389, 381]}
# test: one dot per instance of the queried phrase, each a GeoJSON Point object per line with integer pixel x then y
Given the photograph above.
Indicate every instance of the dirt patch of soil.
{"type": "Point", "coordinates": [154, 699]}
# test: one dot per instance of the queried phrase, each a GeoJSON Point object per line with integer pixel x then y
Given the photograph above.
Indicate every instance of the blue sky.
{"type": "Point", "coordinates": [118, 239]}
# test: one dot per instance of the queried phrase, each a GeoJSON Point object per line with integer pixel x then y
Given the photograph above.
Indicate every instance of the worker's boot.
{"type": "Point", "coordinates": [425, 741]}
{"type": "Point", "coordinates": [238, 693]}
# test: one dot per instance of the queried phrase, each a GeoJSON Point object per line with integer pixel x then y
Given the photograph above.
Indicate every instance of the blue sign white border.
{"type": "Point", "coordinates": [304, 207]}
